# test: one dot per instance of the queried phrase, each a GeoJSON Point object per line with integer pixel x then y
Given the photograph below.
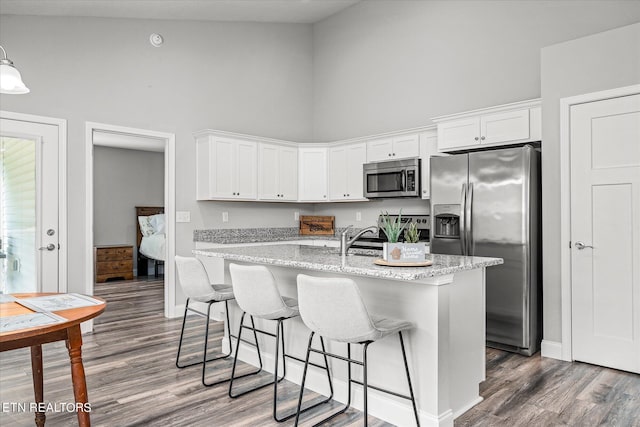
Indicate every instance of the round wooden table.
{"type": "Point", "coordinates": [67, 330]}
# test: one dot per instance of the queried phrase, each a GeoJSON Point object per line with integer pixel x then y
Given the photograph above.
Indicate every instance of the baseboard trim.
{"type": "Point", "coordinates": [551, 349]}
{"type": "Point", "coordinates": [382, 406]}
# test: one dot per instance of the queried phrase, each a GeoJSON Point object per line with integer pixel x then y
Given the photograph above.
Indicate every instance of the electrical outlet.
{"type": "Point", "coordinates": [296, 215]}
{"type": "Point", "coordinates": [183, 216]}
{"type": "Point", "coordinates": [358, 216]}
{"type": "Point", "coordinates": [225, 216]}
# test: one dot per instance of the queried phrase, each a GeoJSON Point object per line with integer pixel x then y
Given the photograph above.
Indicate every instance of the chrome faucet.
{"type": "Point", "coordinates": [345, 244]}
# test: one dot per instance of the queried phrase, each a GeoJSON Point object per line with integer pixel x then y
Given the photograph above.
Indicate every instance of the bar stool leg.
{"type": "Point", "coordinates": [304, 378]}
{"type": "Point", "coordinates": [406, 368]}
{"type": "Point", "coordinates": [184, 321]}
{"type": "Point", "coordinates": [364, 383]}
{"type": "Point", "coordinates": [235, 358]}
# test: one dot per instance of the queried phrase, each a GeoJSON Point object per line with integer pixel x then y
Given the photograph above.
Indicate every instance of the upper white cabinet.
{"type": "Point", "coordinates": [428, 148]}
{"type": "Point", "coordinates": [506, 124]}
{"type": "Point", "coordinates": [397, 147]}
{"type": "Point", "coordinates": [312, 176]}
{"type": "Point", "coordinates": [277, 172]}
{"type": "Point", "coordinates": [345, 171]}
{"type": "Point", "coordinates": [226, 168]}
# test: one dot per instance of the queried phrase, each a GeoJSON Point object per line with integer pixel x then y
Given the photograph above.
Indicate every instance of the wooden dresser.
{"type": "Point", "coordinates": [113, 262]}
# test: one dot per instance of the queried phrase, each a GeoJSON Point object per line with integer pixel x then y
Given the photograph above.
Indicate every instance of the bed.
{"type": "Point", "coordinates": [150, 238]}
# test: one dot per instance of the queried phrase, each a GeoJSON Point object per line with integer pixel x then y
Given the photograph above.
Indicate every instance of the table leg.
{"type": "Point", "coordinates": [38, 388]}
{"type": "Point", "coordinates": [74, 345]}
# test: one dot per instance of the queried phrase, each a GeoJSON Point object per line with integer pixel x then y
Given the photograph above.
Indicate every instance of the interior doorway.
{"type": "Point", "coordinates": [600, 180]}
{"type": "Point", "coordinates": [33, 252]}
{"type": "Point", "coordinates": [104, 135]}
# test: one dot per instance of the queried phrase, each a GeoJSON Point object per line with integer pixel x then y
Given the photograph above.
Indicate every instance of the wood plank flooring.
{"type": "Point", "coordinates": [132, 380]}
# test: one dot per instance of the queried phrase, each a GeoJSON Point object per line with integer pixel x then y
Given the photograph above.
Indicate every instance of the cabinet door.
{"type": "Point", "coordinates": [458, 134]}
{"type": "Point", "coordinates": [223, 159]}
{"type": "Point", "coordinates": [406, 146]}
{"type": "Point", "coordinates": [379, 149]}
{"type": "Point", "coordinates": [338, 168]}
{"type": "Point", "coordinates": [268, 172]}
{"type": "Point", "coordinates": [428, 148]}
{"type": "Point", "coordinates": [246, 167]}
{"type": "Point", "coordinates": [511, 126]}
{"type": "Point", "coordinates": [288, 171]}
{"type": "Point", "coordinates": [312, 166]}
{"type": "Point", "coordinates": [356, 157]}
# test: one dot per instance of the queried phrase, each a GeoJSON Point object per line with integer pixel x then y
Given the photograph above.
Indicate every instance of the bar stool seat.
{"type": "Point", "coordinates": [334, 309]}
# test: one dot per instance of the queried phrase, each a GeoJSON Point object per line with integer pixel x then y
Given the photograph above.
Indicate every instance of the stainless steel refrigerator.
{"type": "Point", "coordinates": [487, 203]}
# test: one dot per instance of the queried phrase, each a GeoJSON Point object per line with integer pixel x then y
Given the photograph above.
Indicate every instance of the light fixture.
{"type": "Point", "coordinates": [10, 79]}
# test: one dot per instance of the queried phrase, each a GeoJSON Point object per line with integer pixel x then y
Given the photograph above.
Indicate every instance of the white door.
{"type": "Point", "coordinates": [288, 165]}
{"type": "Point", "coordinates": [356, 157]}
{"type": "Point", "coordinates": [605, 232]}
{"type": "Point", "coordinates": [338, 173]}
{"type": "Point", "coordinates": [29, 206]}
{"type": "Point", "coordinates": [312, 176]}
{"type": "Point", "coordinates": [268, 172]}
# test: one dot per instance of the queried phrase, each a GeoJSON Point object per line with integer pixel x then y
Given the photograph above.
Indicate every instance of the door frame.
{"type": "Point", "coordinates": [169, 206]}
{"type": "Point", "coordinates": [565, 351]}
{"type": "Point", "coordinates": [62, 184]}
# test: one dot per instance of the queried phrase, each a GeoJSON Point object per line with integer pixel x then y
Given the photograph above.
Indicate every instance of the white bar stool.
{"type": "Point", "coordinates": [257, 294]}
{"type": "Point", "coordinates": [333, 308]}
{"type": "Point", "coordinates": [196, 286]}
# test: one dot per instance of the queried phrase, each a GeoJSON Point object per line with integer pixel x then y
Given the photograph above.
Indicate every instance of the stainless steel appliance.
{"type": "Point", "coordinates": [375, 242]}
{"type": "Point", "coordinates": [487, 203]}
{"type": "Point", "coordinates": [396, 178]}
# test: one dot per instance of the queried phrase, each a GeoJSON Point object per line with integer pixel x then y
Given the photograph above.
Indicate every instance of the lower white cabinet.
{"type": "Point", "coordinates": [345, 172]}
{"type": "Point", "coordinates": [312, 174]}
{"type": "Point", "coordinates": [226, 168]}
{"type": "Point", "coordinates": [277, 172]}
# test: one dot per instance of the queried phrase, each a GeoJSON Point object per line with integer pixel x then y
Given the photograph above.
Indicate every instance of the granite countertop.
{"type": "Point", "coordinates": [254, 235]}
{"type": "Point", "coordinates": [361, 264]}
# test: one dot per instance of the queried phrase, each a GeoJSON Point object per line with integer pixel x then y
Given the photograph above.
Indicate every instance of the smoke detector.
{"type": "Point", "coordinates": [156, 40]}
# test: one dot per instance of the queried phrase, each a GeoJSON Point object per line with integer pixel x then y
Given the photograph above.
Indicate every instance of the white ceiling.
{"type": "Point", "coordinates": [284, 11]}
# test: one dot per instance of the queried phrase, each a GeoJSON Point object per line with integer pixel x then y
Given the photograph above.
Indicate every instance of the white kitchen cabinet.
{"type": "Point", "coordinates": [226, 168]}
{"type": "Point", "coordinates": [277, 172]}
{"type": "Point", "coordinates": [428, 148]}
{"type": "Point", "coordinates": [507, 124]}
{"type": "Point", "coordinates": [312, 176]}
{"type": "Point", "coordinates": [393, 148]}
{"type": "Point", "coordinates": [345, 172]}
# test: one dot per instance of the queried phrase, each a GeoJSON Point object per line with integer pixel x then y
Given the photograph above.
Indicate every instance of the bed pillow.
{"type": "Point", "coordinates": [157, 222]}
{"type": "Point", "coordinates": [145, 226]}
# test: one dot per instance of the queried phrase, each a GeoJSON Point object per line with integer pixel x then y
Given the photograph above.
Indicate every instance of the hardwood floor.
{"type": "Point", "coordinates": [132, 380]}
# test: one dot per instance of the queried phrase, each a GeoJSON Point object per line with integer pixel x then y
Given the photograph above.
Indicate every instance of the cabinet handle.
{"type": "Point", "coordinates": [389, 154]}
{"type": "Point", "coordinates": [476, 138]}
{"type": "Point", "coordinates": [394, 154]}
{"type": "Point", "coordinates": [482, 138]}
{"type": "Point", "coordinates": [325, 196]}
{"type": "Point", "coordinates": [348, 194]}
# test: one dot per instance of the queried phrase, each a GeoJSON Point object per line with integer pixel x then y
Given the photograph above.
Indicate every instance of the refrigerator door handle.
{"type": "Point", "coordinates": [468, 216]}
{"type": "Point", "coordinates": [463, 221]}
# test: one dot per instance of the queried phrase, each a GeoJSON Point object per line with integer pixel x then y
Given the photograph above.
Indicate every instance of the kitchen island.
{"type": "Point", "coordinates": [445, 302]}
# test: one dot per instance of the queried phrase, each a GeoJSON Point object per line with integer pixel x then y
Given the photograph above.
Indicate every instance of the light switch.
{"type": "Point", "coordinates": [296, 216]}
{"type": "Point", "coordinates": [358, 216]}
{"type": "Point", "coordinates": [225, 216]}
{"type": "Point", "coordinates": [183, 216]}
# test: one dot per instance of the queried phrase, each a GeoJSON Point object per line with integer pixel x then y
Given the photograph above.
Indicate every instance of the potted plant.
{"type": "Point", "coordinates": [393, 251]}
{"type": "Point", "coordinates": [392, 228]}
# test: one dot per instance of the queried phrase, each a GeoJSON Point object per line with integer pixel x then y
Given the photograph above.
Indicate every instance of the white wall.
{"type": "Point", "coordinates": [250, 78]}
{"type": "Point", "coordinates": [387, 65]}
{"type": "Point", "coordinates": [123, 179]}
{"type": "Point", "coordinates": [602, 61]}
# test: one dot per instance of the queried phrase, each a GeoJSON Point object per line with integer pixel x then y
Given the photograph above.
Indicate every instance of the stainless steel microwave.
{"type": "Point", "coordinates": [395, 178]}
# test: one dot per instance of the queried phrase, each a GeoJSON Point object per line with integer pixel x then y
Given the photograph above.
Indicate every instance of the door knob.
{"type": "Point", "coordinates": [49, 247]}
{"type": "Point", "coordinates": [582, 246]}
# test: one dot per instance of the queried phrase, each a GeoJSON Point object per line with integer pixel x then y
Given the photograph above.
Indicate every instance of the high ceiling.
{"type": "Point", "coordinates": [284, 11]}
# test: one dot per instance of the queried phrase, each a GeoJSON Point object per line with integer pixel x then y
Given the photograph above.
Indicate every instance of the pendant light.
{"type": "Point", "coordinates": [10, 79]}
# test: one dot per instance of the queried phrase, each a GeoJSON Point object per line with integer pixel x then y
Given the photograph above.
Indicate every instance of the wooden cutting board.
{"type": "Point", "coordinates": [316, 225]}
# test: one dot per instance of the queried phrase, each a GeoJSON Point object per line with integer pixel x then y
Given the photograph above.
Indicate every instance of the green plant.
{"type": "Point", "coordinates": [392, 227]}
{"type": "Point", "coordinates": [412, 234]}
